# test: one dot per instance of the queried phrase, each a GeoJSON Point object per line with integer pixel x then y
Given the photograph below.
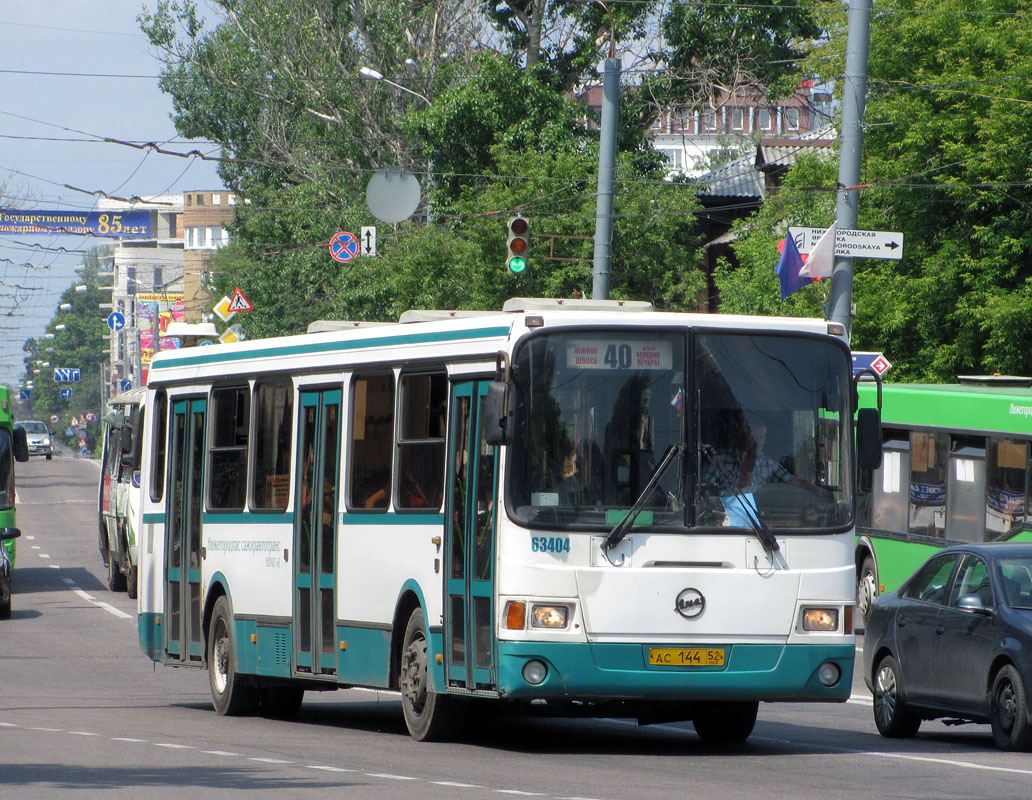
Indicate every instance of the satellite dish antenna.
{"type": "Point", "coordinates": [393, 194]}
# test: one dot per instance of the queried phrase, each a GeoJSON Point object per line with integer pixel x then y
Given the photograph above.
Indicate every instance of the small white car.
{"type": "Point", "coordinates": [41, 443]}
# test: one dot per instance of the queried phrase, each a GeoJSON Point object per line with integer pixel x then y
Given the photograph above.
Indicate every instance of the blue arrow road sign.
{"type": "Point", "coordinates": [116, 320]}
{"type": "Point", "coordinates": [66, 394]}
{"type": "Point", "coordinates": [124, 385]}
{"type": "Point", "coordinates": [875, 361]}
{"type": "Point", "coordinates": [24, 394]}
{"type": "Point", "coordinates": [66, 374]}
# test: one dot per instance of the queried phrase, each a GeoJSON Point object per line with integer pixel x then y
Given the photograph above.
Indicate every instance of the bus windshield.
{"type": "Point", "coordinates": [758, 420]}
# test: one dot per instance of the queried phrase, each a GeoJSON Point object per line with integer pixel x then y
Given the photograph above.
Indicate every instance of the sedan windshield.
{"type": "Point", "coordinates": [756, 423]}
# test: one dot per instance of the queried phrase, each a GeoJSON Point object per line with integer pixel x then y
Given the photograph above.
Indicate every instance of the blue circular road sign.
{"type": "Point", "coordinates": [116, 320]}
{"type": "Point", "coordinates": [344, 246]}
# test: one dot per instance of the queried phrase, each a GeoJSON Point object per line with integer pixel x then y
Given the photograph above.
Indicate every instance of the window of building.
{"type": "Point", "coordinates": [372, 441]}
{"type": "Point", "coordinates": [766, 119]}
{"type": "Point", "coordinates": [200, 199]}
{"type": "Point", "coordinates": [424, 402]}
{"type": "Point", "coordinates": [227, 473]}
{"type": "Point", "coordinates": [130, 280]}
{"type": "Point", "coordinates": [737, 119]}
{"type": "Point", "coordinates": [673, 158]}
{"type": "Point", "coordinates": [159, 275]}
{"type": "Point", "coordinates": [216, 199]}
{"type": "Point", "coordinates": [792, 119]}
{"type": "Point", "coordinates": [709, 121]}
{"type": "Point", "coordinates": [684, 119]}
{"type": "Point", "coordinates": [273, 416]}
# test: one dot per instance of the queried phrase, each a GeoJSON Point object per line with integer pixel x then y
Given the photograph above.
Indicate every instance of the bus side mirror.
{"type": "Point", "coordinates": [9, 533]}
{"type": "Point", "coordinates": [125, 445]}
{"type": "Point", "coordinates": [21, 445]}
{"type": "Point", "coordinates": [868, 438]}
{"type": "Point", "coordinates": [497, 423]}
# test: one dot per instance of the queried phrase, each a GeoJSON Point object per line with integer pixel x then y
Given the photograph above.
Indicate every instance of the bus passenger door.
{"type": "Point", "coordinates": [183, 634]}
{"type": "Point", "coordinates": [470, 512]}
{"type": "Point", "coordinates": [315, 528]}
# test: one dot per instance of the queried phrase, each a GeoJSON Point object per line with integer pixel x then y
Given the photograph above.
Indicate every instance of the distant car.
{"type": "Point", "coordinates": [41, 443]}
{"type": "Point", "coordinates": [955, 641]}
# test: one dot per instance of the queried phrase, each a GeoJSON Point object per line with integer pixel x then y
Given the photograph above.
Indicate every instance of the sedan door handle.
{"type": "Point", "coordinates": [900, 622]}
{"type": "Point", "coordinates": [940, 630]}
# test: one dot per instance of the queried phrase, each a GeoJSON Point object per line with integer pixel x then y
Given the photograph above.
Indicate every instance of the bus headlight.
{"type": "Point", "coordinates": [820, 619]}
{"type": "Point", "coordinates": [549, 616]}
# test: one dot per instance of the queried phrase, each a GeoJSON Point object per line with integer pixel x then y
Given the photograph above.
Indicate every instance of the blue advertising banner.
{"type": "Point", "coordinates": [122, 224]}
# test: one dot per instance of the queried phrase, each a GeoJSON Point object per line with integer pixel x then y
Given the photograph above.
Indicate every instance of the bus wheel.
{"type": "Point", "coordinates": [429, 716]}
{"type": "Point", "coordinates": [131, 579]}
{"type": "Point", "coordinates": [280, 702]}
{"type": "Point", "coordinates": [115, 578]}
{"type": "Point", "coordinates": [866, 591]}
{"type": "Point", "coordinates": [725, 723]}
{"type": "Point", "coordinates": [1012, 729]}
{"type": "Point", "coordinates": [229, 695]}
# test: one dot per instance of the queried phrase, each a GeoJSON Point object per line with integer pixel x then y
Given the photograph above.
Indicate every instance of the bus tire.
{"type": "Point", "coordinates": [230, 696]}
{"type": "Point", "coordinates": [1008, 711]}
{"type": "Point", "coordinates": [726, 723]}
{"type": "Point", "coordinates": [429, 716]}
{"type": "Point", "coordinates": [131, 587]}
{"type": "Point", "coordinates": [280, 702]}
{"type": "Point", "coordinates": [866, 591]}
{"type": "Point", "coordinates": [891, 715]}
{"type": "Point", "coordinates": [115, 580]}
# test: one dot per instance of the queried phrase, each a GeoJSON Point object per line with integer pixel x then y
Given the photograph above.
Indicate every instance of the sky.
{"type": "Point", "coordinates": [74, 72]}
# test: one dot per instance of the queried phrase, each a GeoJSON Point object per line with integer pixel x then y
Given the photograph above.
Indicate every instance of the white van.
{"type": "Point", "coordinates": [119, 497]}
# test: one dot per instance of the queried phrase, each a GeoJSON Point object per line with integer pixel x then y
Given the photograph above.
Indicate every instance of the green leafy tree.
{"type": "Point", "coordinates": [947, 164]}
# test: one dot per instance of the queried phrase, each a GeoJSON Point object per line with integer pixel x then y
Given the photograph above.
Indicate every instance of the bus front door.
{"type": "Point", "coordinates": [183, 634]}
{"type": "Point", "coordinates": [471, 508]}
{"type": "Point", "coordinates": [315, 528]}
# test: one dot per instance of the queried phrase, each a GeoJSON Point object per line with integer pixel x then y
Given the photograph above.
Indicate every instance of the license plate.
{"type": "Point", "coordinates": [686, 656]}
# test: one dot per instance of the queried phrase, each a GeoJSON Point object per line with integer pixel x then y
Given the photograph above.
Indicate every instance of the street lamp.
{"type": "Point", "coordinates": [372, 75]}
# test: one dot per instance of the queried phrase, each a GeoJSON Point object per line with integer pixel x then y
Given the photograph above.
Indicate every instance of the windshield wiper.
{"type": "Point", "coordinates": [763, 533]}
{"type": "Point", "coordinates": [620, 529]}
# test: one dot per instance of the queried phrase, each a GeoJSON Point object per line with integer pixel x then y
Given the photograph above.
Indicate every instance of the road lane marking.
{"type": "Point", "coordinates": [101, 604]}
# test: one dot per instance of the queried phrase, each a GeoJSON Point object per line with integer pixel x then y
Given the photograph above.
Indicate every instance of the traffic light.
{"type": "Point", "coordinates": [518, 242]}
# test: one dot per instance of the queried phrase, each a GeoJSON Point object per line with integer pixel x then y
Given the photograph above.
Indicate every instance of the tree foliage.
{"type": "Point", "coordinates": [948, 164]}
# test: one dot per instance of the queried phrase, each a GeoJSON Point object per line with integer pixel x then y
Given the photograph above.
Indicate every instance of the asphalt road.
{"type": "Point", "coordinates": [84, 713]}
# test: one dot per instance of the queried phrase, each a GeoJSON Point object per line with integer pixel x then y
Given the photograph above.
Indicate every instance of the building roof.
{"type": "Point", "coordinates": [738, 178]}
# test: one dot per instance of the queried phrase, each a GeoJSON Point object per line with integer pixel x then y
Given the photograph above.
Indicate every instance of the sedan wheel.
{"type": "Point", "coordinates": [891, 715]}
{"type": "Point", "coordinates": [1008, 712]}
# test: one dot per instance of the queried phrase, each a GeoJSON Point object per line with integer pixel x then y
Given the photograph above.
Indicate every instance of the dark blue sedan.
{"type": "Point", "coordinates": [955, 641]}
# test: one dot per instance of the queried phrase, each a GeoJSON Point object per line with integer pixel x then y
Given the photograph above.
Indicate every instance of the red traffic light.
{"type": "Point", "coordinates": [518, 226]}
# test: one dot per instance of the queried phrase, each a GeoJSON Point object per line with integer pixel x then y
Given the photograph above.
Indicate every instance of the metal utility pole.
{"type": "Point", "coordinates": [851, 138]}
{"type": "Point", "coordinates": [606, 170]}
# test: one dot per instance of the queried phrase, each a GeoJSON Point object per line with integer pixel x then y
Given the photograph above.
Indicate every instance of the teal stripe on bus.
{"type": "Point", "coordinates": [220, 355]}
{"type": "Point", "coordinates": [243, 518]}
{"type": "Point", "coordinates": [391, 519]}
{"type": "Point", "coordinates": [345, 519]}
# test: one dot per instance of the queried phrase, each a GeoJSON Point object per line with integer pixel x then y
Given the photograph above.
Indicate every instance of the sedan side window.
{"type": "Point", "coordinates": [973, 578]}
{"type": "Point", "coordinates": [930, 582]}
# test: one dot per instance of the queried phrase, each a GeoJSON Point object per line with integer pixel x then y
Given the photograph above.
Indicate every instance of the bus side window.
{"type": "Point", "coordinates": [273, 416]}
{"type": "Point", "coordinates": [160, 437]}
{"type": "Point", "coordinates": [372, 441]}
{"type": "Point", "coordinates": [227, 476]}
{"type": "Point", "coordinates": [424, 400]}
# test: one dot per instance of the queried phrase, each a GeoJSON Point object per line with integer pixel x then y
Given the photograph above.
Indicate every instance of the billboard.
{"type": "Point", "coordinates": [120, 225]}
{"type": "Point", "coordinates": [154, 312]}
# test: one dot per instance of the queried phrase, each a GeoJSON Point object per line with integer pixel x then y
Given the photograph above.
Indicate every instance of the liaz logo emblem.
{"type": "Point", "coordinates": [690, 603]}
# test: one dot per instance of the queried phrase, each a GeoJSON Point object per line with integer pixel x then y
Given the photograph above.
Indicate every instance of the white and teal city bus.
{"type": "Point", "coordinates": [564, 508]}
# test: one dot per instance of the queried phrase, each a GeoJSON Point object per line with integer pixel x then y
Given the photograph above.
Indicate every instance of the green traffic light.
{"type": "Point", "coordinates": [517, 264]}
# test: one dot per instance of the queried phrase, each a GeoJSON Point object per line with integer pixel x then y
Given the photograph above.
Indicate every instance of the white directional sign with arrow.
{"type": "Point", "coordinates": [367, 241]}
{"type": "Point", "coordinates": [858, 244]}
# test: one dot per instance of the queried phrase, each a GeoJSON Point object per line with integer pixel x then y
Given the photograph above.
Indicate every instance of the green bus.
{"type": "Point", "coordinates": [956, 467]}
{"type": "Point", "coordinates": [13, 446]}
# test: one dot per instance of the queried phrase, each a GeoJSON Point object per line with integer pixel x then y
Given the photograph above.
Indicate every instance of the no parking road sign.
{"type": "Point", "coordinates": [344, 247]}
